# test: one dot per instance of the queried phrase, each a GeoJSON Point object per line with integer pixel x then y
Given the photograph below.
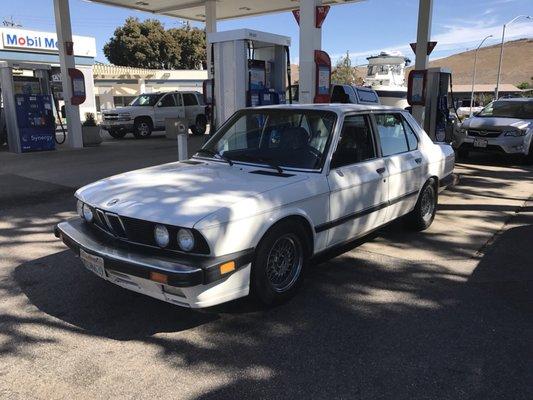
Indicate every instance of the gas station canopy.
{"type": "Point", "coordinates": [226, 9]}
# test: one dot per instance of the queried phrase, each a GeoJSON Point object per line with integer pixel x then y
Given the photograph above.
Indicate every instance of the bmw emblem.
{"type": "Point", "coordinates": [112, 202]}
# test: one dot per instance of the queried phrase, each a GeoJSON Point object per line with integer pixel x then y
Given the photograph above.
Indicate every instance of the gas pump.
{"type": "Point", "coordinates": [430, 89]}
{"type": "Point", "coordinates": [28, 107]}
{"type": "Point", "coordinates": [250, 69]}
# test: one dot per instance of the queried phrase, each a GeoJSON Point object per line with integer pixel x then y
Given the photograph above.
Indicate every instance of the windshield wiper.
{"type": "Point", "coordinates": [216, 154]}
{"type": "Point", "coordinates": [262, 160]}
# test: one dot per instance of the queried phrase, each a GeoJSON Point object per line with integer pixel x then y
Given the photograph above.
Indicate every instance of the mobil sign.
{"type": "Point", "coordinates": [29, 40]}
{"type": "Point", "coordinates": [43, 42]}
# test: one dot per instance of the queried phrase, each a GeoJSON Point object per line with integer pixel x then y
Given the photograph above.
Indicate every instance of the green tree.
{"type": "Point", "coordinates": [193, 47]}
{"type": "Point", "coordinates": [147, 44]}
{"type": "Point", "coordinates": [523, 85]}
{"type": "Point", "coordinates": [344, 73]}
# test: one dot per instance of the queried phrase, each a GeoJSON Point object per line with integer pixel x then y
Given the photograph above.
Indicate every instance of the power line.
{"type": "Point", "coordinates": [11, 23]}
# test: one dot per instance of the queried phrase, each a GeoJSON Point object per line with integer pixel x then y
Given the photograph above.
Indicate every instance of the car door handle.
{"type": "Point", "coordinates": [418, 160]}
{"type": "Point", "coordinates": [380, 170]}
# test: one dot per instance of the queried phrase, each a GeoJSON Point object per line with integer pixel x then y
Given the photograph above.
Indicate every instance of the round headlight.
{"type": "Point", "coordinates": [185, 239]}
{"type": "Point", "coordinates": [161, 236]}
{"type": "Point", "coordinates": [87, 213]}
{"type": "Point", "coordinates": [79, 208]}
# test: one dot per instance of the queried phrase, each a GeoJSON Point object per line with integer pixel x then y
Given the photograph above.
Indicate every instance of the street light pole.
{"type": "Point", "coordinates": [501, 53]}
{"type": "Point", "coordinates": [474, 74]}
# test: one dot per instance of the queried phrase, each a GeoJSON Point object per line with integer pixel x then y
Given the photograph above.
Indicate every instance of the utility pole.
{"type": "Point", "coordinates": [474, 73]}
{"type": "Point", "coordinates": [496, 91]}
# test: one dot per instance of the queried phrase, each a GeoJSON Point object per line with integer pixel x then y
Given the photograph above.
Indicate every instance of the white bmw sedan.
{"type": "Point", "coordinates": [271, 189]}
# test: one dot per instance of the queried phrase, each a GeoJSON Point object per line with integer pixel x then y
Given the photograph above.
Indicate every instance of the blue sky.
{"type": "Point", "coordinates": [361, 28]}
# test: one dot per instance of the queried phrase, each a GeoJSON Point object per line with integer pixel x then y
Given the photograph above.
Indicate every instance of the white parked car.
{"type": "Point", "coordinates": [272, 188]}
{"type": "Point", "coordinates": [148, 111]}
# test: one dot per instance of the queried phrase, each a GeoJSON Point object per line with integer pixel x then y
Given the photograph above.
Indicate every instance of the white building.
{"type": "Point", "coordinates": [107, 86]}
{"type": "Point", "coordinates": [116, 86]}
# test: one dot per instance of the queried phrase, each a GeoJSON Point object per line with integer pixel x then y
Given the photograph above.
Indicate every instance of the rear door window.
{"type": "Point", "coordinates": [189, 99]}
{"type": "Point", "coordinates": [412, 139]}
{"type": "Point", "coordinates": [168, 101]}
{"type": "Point", "coordinates": [391, 134]}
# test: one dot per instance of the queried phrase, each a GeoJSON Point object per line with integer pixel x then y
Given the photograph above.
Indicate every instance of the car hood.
{"type": "Point", "coordinates": [495, 122]}
{"type": "Point", "coordinates": [179, 193]}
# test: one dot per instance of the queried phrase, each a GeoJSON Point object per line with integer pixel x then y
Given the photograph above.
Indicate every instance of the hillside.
{"type": "Point", "coordinates": [517, 64]}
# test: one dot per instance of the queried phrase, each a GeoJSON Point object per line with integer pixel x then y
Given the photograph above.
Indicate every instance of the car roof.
{"type": "Point", "coordinates": [521, 99]}
{"type": "Point", "coordinates": [340, 108]}
{"type": "Point", "coordinates": [354, 86]}
{"type": "Point", "coordinates": [174, 91]}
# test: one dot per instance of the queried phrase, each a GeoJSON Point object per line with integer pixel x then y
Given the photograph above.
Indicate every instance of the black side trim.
{"type": "Point", "coordinates": [271, 173]}
{"type": "Point", "coordinates": [191, 162]}
{"type": "Point", "coordinates": [331, 224]}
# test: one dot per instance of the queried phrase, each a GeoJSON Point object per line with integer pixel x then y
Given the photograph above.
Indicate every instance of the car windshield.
{"type": "Point", "coordinates": [146, 99]}
{"type": "Point", "coordinates": [508, 109]}
{"type": "Point", "coordinates": [277, 138]}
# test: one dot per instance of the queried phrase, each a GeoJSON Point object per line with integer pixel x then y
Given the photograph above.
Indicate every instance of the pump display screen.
{"type": "Point", "coordinates": [26, 85]}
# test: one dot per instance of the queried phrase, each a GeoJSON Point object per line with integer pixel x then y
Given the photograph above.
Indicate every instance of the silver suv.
{"type": "Point", "coordinates": [505, 126]}
{"type": "Point", "coordinates": [148, 111]}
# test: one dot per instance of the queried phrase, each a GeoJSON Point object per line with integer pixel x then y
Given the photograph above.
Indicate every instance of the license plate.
{"type": "Point", "coordinates": [94, 264]}
{"type": "Point", "coordinates": [480, 142]}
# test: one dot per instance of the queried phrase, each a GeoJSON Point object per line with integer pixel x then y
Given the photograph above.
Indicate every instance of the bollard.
{"type": "Point", "coordinates": [182, 147]}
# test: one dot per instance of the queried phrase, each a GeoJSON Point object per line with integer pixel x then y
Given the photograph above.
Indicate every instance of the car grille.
{"type": "Point", "coordinates": [483, 133]}
{"type": "Point", "coordinates": [140, 232]}
{"type": "Point", "coordinates": [110, 223]}
{"type": "Point", "coordinates": [110, 117]}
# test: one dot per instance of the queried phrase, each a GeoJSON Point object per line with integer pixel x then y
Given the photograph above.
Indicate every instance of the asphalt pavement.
{"type": "Point", "coordinates": [442, 314]}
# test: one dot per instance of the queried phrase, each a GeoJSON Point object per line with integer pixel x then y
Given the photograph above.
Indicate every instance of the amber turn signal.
{"type": "Point", "coordinates": [157, 277]}
{"type": "Point", "coordinates": [227, 267]}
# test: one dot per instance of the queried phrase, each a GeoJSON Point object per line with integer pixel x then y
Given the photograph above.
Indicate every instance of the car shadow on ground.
{"type": "Point", "coordinates": [356, 329]}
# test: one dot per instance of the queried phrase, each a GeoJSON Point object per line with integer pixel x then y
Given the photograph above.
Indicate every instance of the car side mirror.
{"type": "Point", "coordinates": [159, 104]}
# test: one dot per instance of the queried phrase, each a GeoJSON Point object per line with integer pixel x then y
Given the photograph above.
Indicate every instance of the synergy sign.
{"type": "Point", "coordinates": [43, 42]}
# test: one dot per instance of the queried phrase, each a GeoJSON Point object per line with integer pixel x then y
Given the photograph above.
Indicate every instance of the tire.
{"type": "Point", "coordinates": [200, 125]}
{"type": "Point", "coordinates": [426, 206]}
{"type": "Point", "coordinates": [142, 128]}
{"type": "Point", "coordinates": [117, 134]}
{"type": "Point", "coordinates": [463, 153]}
{"type": "Point", "coordinates": [274, 278]}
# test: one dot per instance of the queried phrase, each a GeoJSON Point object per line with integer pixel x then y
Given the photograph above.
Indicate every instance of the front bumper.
{"type": "Point", "coordinates": [198, 279]}
{"type": "Point", "coordinates": [117, 125]}
{"type": "Point", "coordinates": [501, 144]}
{"type": "Point", "coordinates": [448, 181]}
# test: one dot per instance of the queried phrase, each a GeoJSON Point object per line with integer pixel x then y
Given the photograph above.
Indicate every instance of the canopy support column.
{"type": "Point", "coordinates": [310, 40]}
{"type": "Point", "coordinates": [423, 36]}
{"type": "Point", "coordinates": [66, 61]}
{"type": "Point", "coordinates": [210, 27]}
